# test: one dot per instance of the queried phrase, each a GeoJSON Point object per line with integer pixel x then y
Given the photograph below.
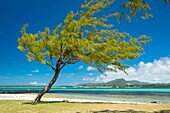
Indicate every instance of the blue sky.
{"type": "Point", "coordinates": [153, 66]}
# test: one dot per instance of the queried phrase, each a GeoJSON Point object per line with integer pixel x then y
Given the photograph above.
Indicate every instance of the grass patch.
{"type": "Point", "coordinates": [17, 106]}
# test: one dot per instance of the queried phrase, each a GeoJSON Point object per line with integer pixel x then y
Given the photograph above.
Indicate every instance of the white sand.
{"type": "Point", "coordinates": [32, 97]}
{"type": "Point", "coordinates": [17, 96]}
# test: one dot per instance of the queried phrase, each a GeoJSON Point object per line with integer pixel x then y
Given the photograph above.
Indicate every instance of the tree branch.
{"type": "Point", "coordinates": [70, 61]}
{"type": "Point", "coordinates": [52, 67]}
{"type": "Point", "coordinates": [51, 58]}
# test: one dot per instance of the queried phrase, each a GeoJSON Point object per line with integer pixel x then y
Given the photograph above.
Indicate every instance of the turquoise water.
{"type": "Point", "coordinates": [88, 89]}
{"type": "Point", "coordinates": [117, 89]}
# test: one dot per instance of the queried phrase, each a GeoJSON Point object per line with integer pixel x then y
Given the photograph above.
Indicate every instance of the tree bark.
{"type": "Point", "coordinates": [47, 88]}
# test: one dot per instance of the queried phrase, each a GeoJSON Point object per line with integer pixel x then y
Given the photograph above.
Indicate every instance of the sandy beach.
{"type": "Point", "coordinates": [57, 99]}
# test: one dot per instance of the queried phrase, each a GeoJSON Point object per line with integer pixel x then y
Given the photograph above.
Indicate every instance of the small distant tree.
{"type": "Point", "coordinates": [86, 36]}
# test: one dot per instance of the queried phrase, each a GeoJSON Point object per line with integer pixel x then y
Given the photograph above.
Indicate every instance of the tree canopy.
{"type": "Point", "coordinates": [85, 37]}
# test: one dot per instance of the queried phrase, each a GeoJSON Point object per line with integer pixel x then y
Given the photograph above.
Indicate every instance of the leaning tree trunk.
{"type": "Point", "coordinates": [47, 88]}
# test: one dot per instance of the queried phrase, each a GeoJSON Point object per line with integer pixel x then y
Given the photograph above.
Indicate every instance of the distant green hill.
{"type": "Point", "coordinates": [122, 83]}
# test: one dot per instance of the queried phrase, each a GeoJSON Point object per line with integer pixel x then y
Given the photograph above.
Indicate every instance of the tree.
{"type": "Point", "coordinates": [83, 37]}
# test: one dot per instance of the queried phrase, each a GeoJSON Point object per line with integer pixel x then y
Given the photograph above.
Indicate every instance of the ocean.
{"type": "Point", "coordinates": [141, 95]}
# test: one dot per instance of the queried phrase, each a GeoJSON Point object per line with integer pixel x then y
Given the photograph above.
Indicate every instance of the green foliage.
{"type": "Point", "coordinates": [133, 8]}
{"type": "Point", "coordinates": [86, 37]}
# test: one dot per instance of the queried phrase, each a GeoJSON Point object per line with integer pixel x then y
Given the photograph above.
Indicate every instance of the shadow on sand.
{"type": "Point", "coordinates": [44, 102]}
{"type": "Point", "coordinates": [129, 111]}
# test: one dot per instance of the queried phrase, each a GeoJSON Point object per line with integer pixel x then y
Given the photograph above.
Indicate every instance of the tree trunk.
{"type": "Point", "coordinates": [47, 88]}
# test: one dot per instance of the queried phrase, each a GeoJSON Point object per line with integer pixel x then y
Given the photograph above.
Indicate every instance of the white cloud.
{"type": "Point", "coordinates": [89, 78]}
{"type": "Point", "coordinates": [157, 71]}
{"type": "Point", "coordinates": [90, 73]}
{"type": "Point", "coordinates": [33, 83]}
{"type": "Point", "coordinates": [81, 67]}
{"type": "Point", "coordinates": [72, 74]}
{"type": "Point", "coordinates": [69, 76]}
{"type": "Point", "coordinates": [73, 84]}
{"type": "Point", "coordinates": [47, 74]}
{"type": "Point", "coordinates": [35, 71]}
{"type": "Point", "coordinates": [90, 68]}
{"type": "Point", "coordinates": [36, 83]}
{"type": "Point", "coordinates": [29, 74]}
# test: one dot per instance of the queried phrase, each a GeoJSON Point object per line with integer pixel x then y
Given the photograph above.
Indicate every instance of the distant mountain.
{"type": "Point", "coordinates": [122, 83]}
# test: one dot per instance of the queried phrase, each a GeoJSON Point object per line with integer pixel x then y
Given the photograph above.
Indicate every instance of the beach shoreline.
{"type": "Point", "coordinates": [31, 97]}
